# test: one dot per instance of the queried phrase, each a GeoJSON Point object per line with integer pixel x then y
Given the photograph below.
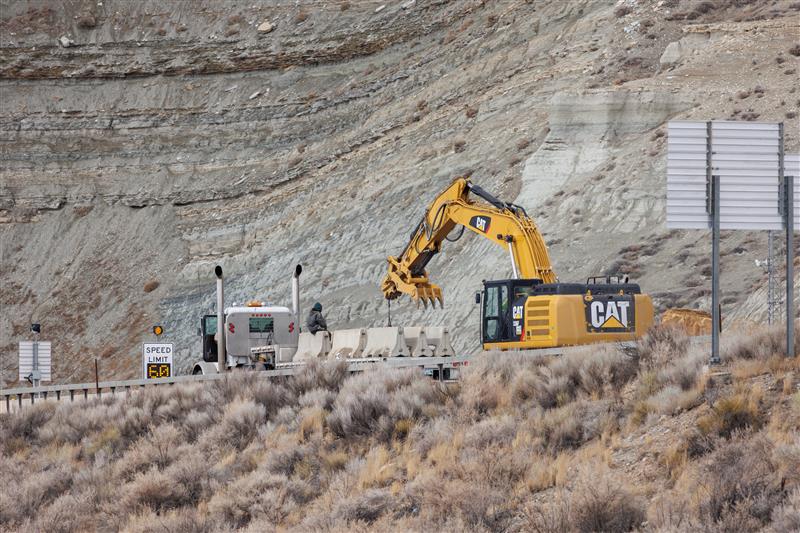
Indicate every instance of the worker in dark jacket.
{"type": "Point", "coordinates": [316, 322]}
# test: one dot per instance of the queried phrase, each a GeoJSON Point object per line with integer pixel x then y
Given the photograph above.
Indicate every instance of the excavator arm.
{"type": "Point", "coordinates": [506, 224]}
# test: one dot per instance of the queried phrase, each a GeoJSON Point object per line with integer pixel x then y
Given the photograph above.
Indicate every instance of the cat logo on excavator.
{"type": "Point", "coordinates": [612, 314]}
{"type": "Point", "coordinates": [480, 223]}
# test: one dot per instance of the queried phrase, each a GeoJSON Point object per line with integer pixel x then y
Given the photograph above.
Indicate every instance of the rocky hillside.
{"type": "Point", "coordinates": [599, 440]}
{"type": "Point", "coordinates": [145, 142]}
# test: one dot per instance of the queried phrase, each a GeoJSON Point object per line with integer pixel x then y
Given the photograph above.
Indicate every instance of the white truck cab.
{"type": "Point", "coordinates": [257, 336]}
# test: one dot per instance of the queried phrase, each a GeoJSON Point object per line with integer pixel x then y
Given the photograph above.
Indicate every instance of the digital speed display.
{"type": "Point", "coordinates": [158, 370]}
{"type": "Point", "coordinates": [157, 360]}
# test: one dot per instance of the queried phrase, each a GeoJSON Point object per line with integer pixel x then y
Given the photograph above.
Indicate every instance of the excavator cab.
{"type": "Point", "coordinates": [502, 300]}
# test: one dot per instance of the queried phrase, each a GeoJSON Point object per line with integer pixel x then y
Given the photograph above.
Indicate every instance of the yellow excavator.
{"type": "Point", "coordinates": [532, 309]}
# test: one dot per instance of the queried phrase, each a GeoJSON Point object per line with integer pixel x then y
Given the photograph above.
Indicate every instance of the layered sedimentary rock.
{"type": "Point", "coordinates": [159, 142]}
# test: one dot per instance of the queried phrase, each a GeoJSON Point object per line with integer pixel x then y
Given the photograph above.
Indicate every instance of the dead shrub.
{"type": "Point", "coordinates": [319, 376]}
{"type": "Point", "coordinates": [672, 400]}
{"type": "Point", "coordinates": [25, 423]}
{"type": "Point", "coordinates": [761, 344]}
{"type": "Point", "coordinates": [480, 506]}
{"type": "Point", "coordinates": [471, 112]}
{"type": "Point", "coordinates": [661, 343]}
{"type": "Point", "coordinates": [192, 474]}
{"type": "Point", "coordinates": [682, 372]}
{"type": "Point", "coordinates": [301, 16]}
{"type": "Point", "coordinates": [604, 367]}
{"type": "Point", "coordinates": [154, 490]}
{"type": "Point", "coordinates": [391, 450]}
{"type": "Point", "coordinates": [374, 402]}
{"type": "Point", "coordinates": [248, 498]}
{"type": "Point", "coordinates": [82, 210]}
{"type": "Point", "coordinates": [599, 502]}
{"type": "Point", "coordinates": [194, 423]}
{"type": "Point", "coordinates": [151, 285]}
{"type": "Point", "coordinates": [66, 514]}
{"type": "Point", "coordinates": [458, 145]}
{"type": "Point", "coordinates": [334, 460]}
{"type": "Point", "coordinates": [156, 449]}
{"type": "Point", "coordinates": [556, 391]}
{"type": "Point", "coordinates": [271, 396]}
{"type": "Point", "coordinates": [786, 517]}
{"type": "Point", "coordinates": [70, 424]}
{"type": "Point", "coordinates": [427, 435]}
{"type": "Point", "coordinates": [740, 482]}
{"type": "Point", "coordinates": [29, 493]}
{"type": "Point", "coordinates": [574, 424]}
{"type": "Point", "coordinates": [730, 414]}
{"type": "Point", "coordinates": [87, 21]}
{"type": "Point", "coordinates": [357, 415]}
{"type": "Point", "coordinates": [240, 422]}
{"type": "Point", "coordinates": [623, 10]}
{"type": "Point", "coordinates": [178, 520]}
{"type": "Point", "coordinates": [366, 507]}
{"type": "Point", "coordinates": [319, 397]}
{"type": "Point", "coordinates": [490, 433]}
{"type": "Point", "coordinates": [484, 395]}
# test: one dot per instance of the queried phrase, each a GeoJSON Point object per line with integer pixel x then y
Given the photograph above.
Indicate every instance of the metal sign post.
{"type": "Point", "coordinates": [36, 376]}
{"type": "Point", "coordinates": [789, 183]}
{"type": "Point", "coordinates": [715, 238]}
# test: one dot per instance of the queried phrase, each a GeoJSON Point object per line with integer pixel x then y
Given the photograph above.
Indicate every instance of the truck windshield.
{"type": "Point", "coordinates": [210, 325]}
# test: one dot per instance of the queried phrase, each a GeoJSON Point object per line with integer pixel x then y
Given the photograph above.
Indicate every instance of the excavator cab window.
{"type": "Point", "coordinates": [496, 312]}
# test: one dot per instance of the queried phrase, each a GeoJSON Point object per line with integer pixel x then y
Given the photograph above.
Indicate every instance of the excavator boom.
{"type": "Point", "coordinates": [506, 224]}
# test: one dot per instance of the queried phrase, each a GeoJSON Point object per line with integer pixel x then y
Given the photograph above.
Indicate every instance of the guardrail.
{"type": "Point", "coordinates": [22, 395]}
{"type": "Point", "coordinates": [437, 365]}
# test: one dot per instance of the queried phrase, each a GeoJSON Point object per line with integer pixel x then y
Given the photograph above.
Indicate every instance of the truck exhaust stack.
{"type": "Point", "coordinates": [222, 359]}
{"type": "Point", "coordinates": [296, 293]}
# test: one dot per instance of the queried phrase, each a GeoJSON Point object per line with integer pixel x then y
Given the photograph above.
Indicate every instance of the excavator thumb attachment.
{"type": "Point", "coordinates": [400, 281]}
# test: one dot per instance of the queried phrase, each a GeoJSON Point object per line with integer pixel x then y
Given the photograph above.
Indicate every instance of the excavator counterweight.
{"type": "Point", "coordinates": [532, 309]}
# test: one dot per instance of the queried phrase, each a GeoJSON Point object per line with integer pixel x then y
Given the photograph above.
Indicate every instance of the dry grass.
{"type": "Point", "coordinates": [603, 439]}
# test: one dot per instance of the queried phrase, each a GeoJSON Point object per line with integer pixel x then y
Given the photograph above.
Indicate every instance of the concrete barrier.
{"type": "Point", "coordinates": [385, 342]}
{"type": "Point", "coordinates": [348, 343]}
{"type": "Point", "coordinates": [311, 346]}
{"type": "Point", "coordinates": [417, 342]}
{"type": "Point", "coordinates": [439, 338]}
{"type": "Point", "coordinates": [286, 354]}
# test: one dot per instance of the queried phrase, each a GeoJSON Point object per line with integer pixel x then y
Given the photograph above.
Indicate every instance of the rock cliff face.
{"type": "Point", "coordinates": [144, 143]}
